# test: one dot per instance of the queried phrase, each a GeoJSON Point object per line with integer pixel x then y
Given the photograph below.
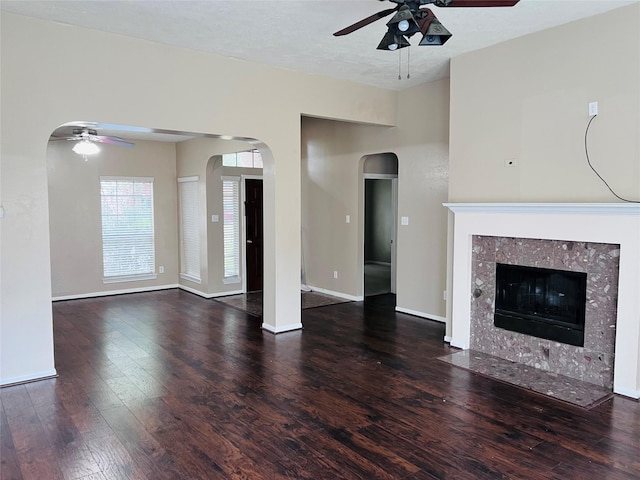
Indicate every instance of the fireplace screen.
{"type": "Point", "coordinates": [541, 302]}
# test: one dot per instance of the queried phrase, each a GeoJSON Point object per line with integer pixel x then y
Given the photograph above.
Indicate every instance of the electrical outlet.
{"type": "Point", "coordinates": [444, 295]}
{"type": "Point", "coordinates": [161, 269]}
{"type": "Point", "coordinates": [335, 274]}
{"type": "Point", "coordinates": [404, 221]}
{"type": "Point", "coordinates": [593, 109]}
{"type": "Point", "coordinates": [510, 162]}
{"type": "Point", "coordinates": [347, 219]}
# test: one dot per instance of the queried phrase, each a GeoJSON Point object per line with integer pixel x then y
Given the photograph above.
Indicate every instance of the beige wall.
{"type": "Point", "coordinates": [331, 153]}
{"type": "Point", "coordinates": [528, 100]}
{"type": "Point", "coordinates": [381, 163]}
{"type": "Point", "coordinates": [75, 217]}
{"type": "Point", "coordinates": [423, 177]}
{"type": "Point", "coordinates": [215, 172]}
{"type": "Point", "coordinates": [332, 186]}
{"type": "Point", "coordinates": [74, 211]}
{"type": "Point", "coordinates": [191, 161]}
{"type": "Point", "coordinates": [127, 81]}
{"type": "Point", "coordinates": [203, 157]}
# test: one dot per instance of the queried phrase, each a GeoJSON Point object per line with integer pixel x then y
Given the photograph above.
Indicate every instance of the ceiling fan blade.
{"type": "Point", "coordinates": [366, 21]}
{"type": "Point", "coordinates": [72, 137]}
{"type": "Point", "coordinates": [112, 141]}
{"type": "Point", "coordinates": [479, 3]}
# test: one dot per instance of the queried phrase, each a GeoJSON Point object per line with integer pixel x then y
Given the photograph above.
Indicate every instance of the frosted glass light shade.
{"type": "Point", "coordinates": [85, 147]}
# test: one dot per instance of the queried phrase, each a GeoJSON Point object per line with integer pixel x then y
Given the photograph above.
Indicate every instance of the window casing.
{"type": "Point", "coordinates": [247, 159]}
{"type": "Point", "coordinates": [231, 228]}
{"type": "Point", "coordinates": [189, 229]}
{"type": "Point", "coordinates": [128, 244]}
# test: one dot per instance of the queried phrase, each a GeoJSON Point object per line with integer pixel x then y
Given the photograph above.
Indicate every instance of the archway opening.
{"type": "Point", "coordinates": [167, 160]}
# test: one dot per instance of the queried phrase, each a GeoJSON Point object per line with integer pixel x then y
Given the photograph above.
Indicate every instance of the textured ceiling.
{"type": "Point", "coordinates": [297, 34]}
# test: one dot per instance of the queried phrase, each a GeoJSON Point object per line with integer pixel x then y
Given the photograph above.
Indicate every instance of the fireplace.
{"type": "Point", "coordinates": [533, 265]}
{"type": "Point", "coordinates": [546, 303]}
{"type": "Point", "coordinates": [601, 239]}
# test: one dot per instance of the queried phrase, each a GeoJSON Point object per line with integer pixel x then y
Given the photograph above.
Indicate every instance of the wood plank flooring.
{"type": "Point", "coordinates": [167, 385]}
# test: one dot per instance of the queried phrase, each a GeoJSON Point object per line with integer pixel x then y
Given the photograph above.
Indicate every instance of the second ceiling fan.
{"type": "Point", "coordinates": [410, 18]}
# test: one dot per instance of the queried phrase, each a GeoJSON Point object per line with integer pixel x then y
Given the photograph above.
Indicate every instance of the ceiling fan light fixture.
{"type": "Point", "coordinates": [433, 32]}
{"type": "Point", "coordinates": [403, 22]}
{"type": "Point", "coordinates": [392, 42]}
{"type": "Point", "coordinates": [85, 147]}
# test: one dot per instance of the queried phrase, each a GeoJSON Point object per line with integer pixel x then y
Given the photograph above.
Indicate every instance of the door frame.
{"type": "Point", "coordinates": [394, 211]}
{"type": "Point", "coordinates": [243, 233]}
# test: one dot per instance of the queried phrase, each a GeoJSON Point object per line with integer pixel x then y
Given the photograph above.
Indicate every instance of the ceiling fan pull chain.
{"type": "Point", "coordinates": [399, 63]}
{"type": "Point", "coordinates": [408, 63]}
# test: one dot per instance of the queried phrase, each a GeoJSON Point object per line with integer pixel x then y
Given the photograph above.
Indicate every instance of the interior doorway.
{"type": "Point", "coordinates": [254, 246]}
{"type": "Point", "coordinates": [379, 236]}
{"type": "Point", "coordinates": [380, 176]}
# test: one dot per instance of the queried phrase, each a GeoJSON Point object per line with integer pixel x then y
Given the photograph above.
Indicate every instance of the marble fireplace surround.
{"type": "Point", "coordinates": [610, 223]}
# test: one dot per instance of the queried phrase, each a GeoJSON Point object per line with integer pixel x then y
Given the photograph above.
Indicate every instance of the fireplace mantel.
{"type": "Point", "coordinates": [552, 208]}
{"type": "Point", "coordinates": [612, 223]}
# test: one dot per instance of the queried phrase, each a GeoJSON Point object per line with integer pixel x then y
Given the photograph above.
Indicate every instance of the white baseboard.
{"type": "Point", "coordinates": [286, 328]}
{"type": "Point", "coordinates": [416, 313]}
{"type": "Point", "coordinates": [635, 394]}
{"type": "Point", "coordinates": [208, 295]}
{"type": "Point", "coordinates": [113, 292]}
{"type": "Point", "coordinates": [336, 294]}
{"type": "Point", "coordinates": [447, 339]}
{"type": "Point", "coordinates": [6, 382]}
{"type": "Point", "coordinates": [455, 344]}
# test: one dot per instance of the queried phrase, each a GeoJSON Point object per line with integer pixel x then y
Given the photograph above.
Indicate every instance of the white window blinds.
{"type": "Point", "coordinates": [231, 226]}
{"type": "Point", "coordinates": [127, 228]}
{"type": "Point", "coordinates": [189, 229]}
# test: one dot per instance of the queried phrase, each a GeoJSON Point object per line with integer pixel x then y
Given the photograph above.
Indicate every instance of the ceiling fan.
{"type": "Point", "coordinates": [410, 18]}
{"type": "Point", "coordinates": [91, 135]}
{"type": "Point", "coordinates": [87, 139]}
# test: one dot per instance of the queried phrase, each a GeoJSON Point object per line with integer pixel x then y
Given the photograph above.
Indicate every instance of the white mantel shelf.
{"type": "Point", "coordinates": [554, 208]}
{"type": "Point", "coordinates": [610, 223]}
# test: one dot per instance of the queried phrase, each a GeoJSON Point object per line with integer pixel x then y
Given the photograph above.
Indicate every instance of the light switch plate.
{"type": "Point", "coordinates": [404, 220]}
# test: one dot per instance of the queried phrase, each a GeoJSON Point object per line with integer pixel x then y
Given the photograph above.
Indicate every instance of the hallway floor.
{"type": "Point", "coordinates": [377, 279]}
{"type": "Point", "coordinates": [251, 302]}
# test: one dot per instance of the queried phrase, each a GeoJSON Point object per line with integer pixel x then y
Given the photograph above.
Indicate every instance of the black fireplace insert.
{"type": "Point", "coordinates": [541, 302]}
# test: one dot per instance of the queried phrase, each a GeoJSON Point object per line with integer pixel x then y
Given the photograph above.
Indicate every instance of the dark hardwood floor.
{"type": "Point", "coordinates": [167, 385]}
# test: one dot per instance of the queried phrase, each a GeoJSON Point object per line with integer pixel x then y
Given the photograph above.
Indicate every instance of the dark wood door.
{"type": "Point", "coordinates": [253, 217]}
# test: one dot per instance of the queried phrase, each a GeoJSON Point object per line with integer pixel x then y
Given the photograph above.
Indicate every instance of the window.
{"type": "Point", "coordinates": [127, 228]}
{"type": "Point", "coordinates": [231, 228]}
{"type": "Point", "coordinates": [248, 159]}
{"type": "Point", "coordinates": [189, 229]}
